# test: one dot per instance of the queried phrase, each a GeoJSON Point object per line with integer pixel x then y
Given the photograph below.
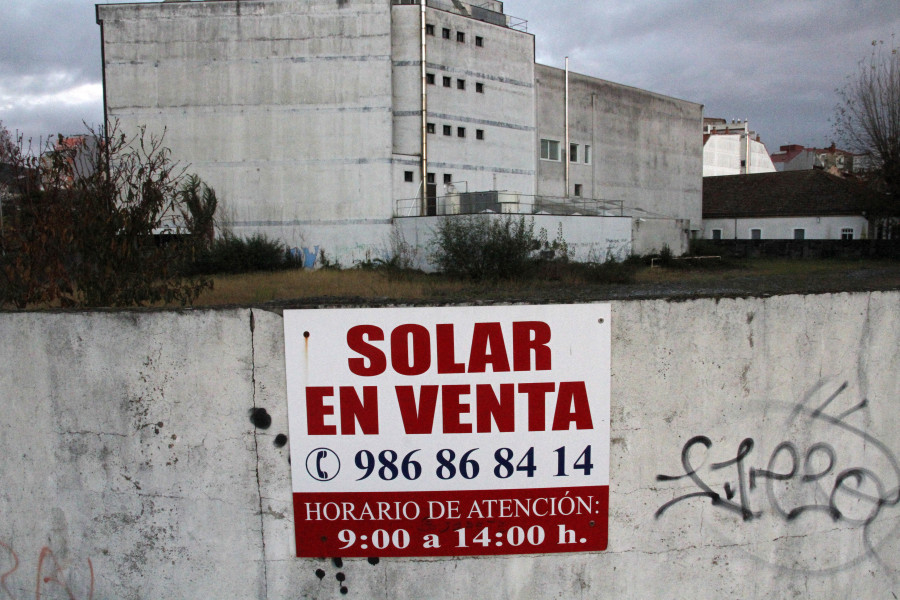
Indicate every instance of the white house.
{"type": "Point", "coordinates": [791, 205]}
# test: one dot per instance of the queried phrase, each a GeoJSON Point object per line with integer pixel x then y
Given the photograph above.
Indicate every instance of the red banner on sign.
{"type": "Point", "coordinates": [451, 523]}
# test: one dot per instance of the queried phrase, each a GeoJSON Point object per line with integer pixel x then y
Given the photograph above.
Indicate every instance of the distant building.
{"type": "Point", "coordinates": [792, 205]}
{"type": "Point", "coordinates": [733, 149]}
{"type": "Point", "coordinates": [309, 117]}
{"type": "Point", "coordinates": [794, 157]}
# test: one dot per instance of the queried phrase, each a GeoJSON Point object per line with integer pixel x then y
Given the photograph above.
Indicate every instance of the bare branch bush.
{"type": "Point", "coordinates": [95, 224]}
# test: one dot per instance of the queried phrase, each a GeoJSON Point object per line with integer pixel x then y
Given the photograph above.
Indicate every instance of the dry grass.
{"type": "Point", "coordinates": [253, 288]}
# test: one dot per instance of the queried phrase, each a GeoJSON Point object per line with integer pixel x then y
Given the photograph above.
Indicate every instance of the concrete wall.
{"type": "Point", "coordinates": [646, 148]}
{"type": "Point", "coordinates": [285, 108]}
{"type": "Point", "coordinates": [504, 110]}
{"type": "Point", "coordinates": [138, 461]}
{"type": "Point", "coordinates": [782, 228]}
{"type": "Point", "coordinates": [594, 239]}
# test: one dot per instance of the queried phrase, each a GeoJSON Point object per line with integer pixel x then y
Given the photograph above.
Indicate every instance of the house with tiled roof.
{"type": "Point", "coordinates": [811, 204]}
{"type": "Point", "coordinates": [795, 157]}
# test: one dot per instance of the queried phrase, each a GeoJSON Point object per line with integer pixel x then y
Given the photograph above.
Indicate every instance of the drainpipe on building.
{"type": "Point", "coordinates": [424, 174]}
{"type": "Point", "coordinates": [568, 147]}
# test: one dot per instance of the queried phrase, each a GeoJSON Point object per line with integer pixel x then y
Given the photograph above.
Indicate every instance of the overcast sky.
{"type": "Point", "coordinates": [774, 62]}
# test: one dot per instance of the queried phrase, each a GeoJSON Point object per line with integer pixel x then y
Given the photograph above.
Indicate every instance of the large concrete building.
{"type": "Point", "coordinates": [312, 116]}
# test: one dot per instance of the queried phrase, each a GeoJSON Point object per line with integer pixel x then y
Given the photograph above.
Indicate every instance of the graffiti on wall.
{"type": "Point", "coordinates": [826, 470]}
{"type": "Point", "coordinates": [309, 255]}
{"type": "Point", "coordinates": [52, 577]}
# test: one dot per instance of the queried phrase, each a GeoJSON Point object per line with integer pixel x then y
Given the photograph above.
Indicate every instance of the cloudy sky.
{"type": "Point", "coordinates": [774, 62]}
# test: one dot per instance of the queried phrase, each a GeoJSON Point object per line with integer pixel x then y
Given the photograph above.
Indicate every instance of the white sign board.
{"type": "Point", "coordinates": [449, 431]}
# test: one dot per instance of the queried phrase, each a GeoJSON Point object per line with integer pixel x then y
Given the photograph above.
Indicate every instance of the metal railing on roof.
{"type": "Point", "coordinates": [476, 11]}
{"type": "Point", "coordinates": [507, 203]}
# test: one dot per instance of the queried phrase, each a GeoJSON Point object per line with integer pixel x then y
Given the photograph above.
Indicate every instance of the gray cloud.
{"type": "Point", "coordinates": [775, 62]}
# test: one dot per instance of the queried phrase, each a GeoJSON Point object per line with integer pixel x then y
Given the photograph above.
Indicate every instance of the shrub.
{"type": "Point", "coordinates": [483, 247]}
{"type": "Point", "coordinates": [232, 254]}
{"type": "Point", "coordinates": [88, 222]}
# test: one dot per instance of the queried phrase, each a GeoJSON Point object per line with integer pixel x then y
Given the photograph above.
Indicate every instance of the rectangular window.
{"type": "Point", "coordinates": [429, 77]}
{"type": "Point", "coordinates": [799, 234]}
{"type": "Point", "coordinates": [407, 176]}
{"type": "Point", "coordinates": [447, 81]}
{"type": "Point", "coordinates": [756, 234]}
{"type": "Point", "coordinates": [460, 84]}
{"type": "Point", "coordinates": [479, 87]}
{"type": "Point", "coordinates": [549, 150]}
{"type": "Point", "coordinates": [430, 128]}
{"type": "Point", "coordinates": [445, 33]}
{"type": "Point", "coordinates": [479, 134]}
{"type": "Point", "coordinates": [448, 178]}
{"type": "Point", "coordinates": [847, 233]}
{"type": "Point", "coordinates": [460, 37]}
{"type": "Point", "coordinates": [431, 178]}
{"type": "Point", "coordinates": [479, 41]}
{"type": "Point", "coordinates": [461, 132]}
{"type": "Point", "coordinates": [587, 154]}
{"type": "Point", "coordinates": [573, 152]}
{"type": "Point", "coordinates": [717, 234]}
{"type": "Point", "coordinates": [429, 29]}
{"type": "Point", "coordinates": [578, 190]}
{"type": "Point", "coordinates": [448, 130]}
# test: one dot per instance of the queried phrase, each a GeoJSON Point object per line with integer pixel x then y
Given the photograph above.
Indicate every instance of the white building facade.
{"type": "Point", "coordinates": [732, 149]}
{"type": "Point", "coordinates": [327, 123]}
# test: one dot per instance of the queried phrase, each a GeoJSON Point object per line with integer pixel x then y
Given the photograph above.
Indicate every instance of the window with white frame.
{"type": "Point", "coordinates": [549, 150]}
{"type": "Point", "coordinates": [847, 233]}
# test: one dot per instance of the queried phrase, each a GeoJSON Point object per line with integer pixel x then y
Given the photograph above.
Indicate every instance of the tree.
{"type": "Point", "coordinates": [8, 146]}
{"type": "Point", "coordinates": [868, 121]}
{"type": "Point", "coordinates": [96, 224]}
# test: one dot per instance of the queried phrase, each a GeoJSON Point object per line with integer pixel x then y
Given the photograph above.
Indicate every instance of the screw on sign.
{"type": "Point", "coordinates": [449, 431]}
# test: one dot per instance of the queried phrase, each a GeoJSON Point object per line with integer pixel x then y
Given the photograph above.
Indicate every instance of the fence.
{"type": "Point", "coordinates": [498, 202]}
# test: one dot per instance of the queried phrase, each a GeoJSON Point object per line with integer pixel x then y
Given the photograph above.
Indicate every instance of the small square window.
{"type": "Point", "coordinates": [578, 190]}
{"type": "Point", "coordinates": [847, 233]}
{"type": "Point", "coordinates": [429, 77]}
{"type": "Point", "coordinates": [756, 234]}
{"type": "Point", "coordinates": [447, 81]}
{"type": "Point", "coordinates": [448, 178]}
{"type": "Point", "coordinates": [429, 29]}
{"type": "Point", "coordinates": [460, 84]}
{"type": "Point", "coordinates": [479, 134]}
{"type": "Point", "coordinates": [573, 152]}
{"type": "Point", "coordinates": [479, 87]}
{"type": "Point", "coordinates": [430, 128]}
{"type": "Point", "coordinates": [407, 176]}
{"type": "Point", "coordinates": [799, 234]}
{"type": "Point", "coordinates": [448, 130]}
{"type": "Point", "coordinates": [460, 37]}
{"type": "Point", "coordinates": [479, 41]}
{"type": "Point", "coordinates": [445, 33]}
{"type": "Point", "coordinates": [717, 234]}
{"type": "Point", "coordinates": [461, 132]}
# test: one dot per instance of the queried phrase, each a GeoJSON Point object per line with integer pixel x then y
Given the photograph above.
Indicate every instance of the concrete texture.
{"type": "Point", "coordinates": [138, 461]}
{"type": "Point", "coordinates": [306, 116]}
